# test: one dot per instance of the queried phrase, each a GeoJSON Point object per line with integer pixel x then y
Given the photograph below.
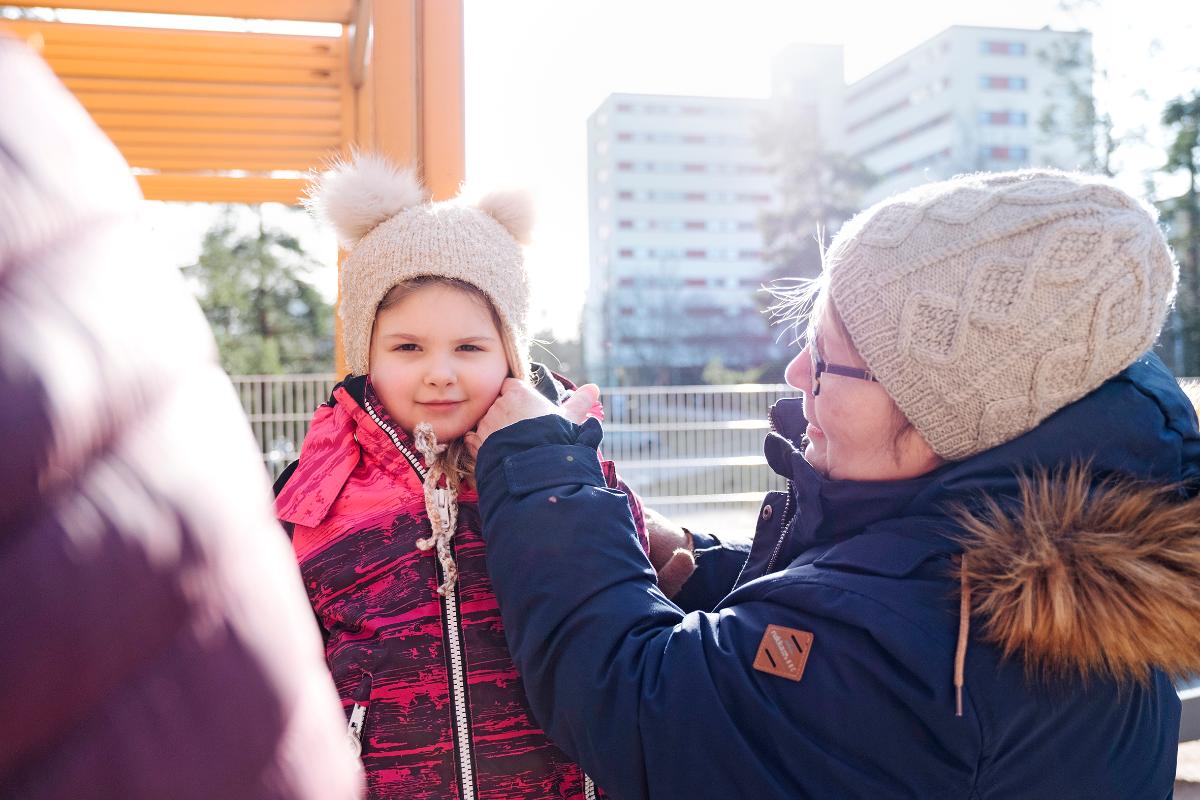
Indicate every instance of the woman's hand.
{"type": "Point", "coordinates": [518, 400]}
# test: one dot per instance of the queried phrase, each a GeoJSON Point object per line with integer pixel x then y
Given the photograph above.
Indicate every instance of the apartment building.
{"type": "Point", "coordinates": [969, 99]}
{"type": "Point", "coordinates": [676, 187]}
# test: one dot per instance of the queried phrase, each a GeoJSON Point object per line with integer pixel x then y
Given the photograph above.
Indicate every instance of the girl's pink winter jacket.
{"type": "Point", "coordinates": [426, 681]}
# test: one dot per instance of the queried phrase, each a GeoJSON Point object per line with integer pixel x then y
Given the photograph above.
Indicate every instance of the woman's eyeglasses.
{"type": "Point", "coordinates": [820, 365]}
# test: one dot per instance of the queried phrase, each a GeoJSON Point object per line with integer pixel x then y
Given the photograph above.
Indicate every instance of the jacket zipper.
{"type": "Point", "coordinates": [409, 455]}
{"type": "Point", "coordinates": [787, 505]}
{"type": "Point", "coordinates": [453, 627]}
{"type": "Point", "coordinates": [355, 729]}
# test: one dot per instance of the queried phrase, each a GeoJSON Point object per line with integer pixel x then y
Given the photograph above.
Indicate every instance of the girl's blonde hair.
{"type": "Point", "coordinates": [456, 460]}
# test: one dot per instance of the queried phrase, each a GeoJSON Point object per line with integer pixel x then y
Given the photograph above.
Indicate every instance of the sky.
{"type": "Point", "coordinates": [535, 70]}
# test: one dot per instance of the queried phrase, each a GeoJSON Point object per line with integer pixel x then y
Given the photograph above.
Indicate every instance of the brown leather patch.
{"type": "Point", "coordinates": [783, 652]}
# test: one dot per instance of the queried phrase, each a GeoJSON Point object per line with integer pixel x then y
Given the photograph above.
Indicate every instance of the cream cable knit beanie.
{"type": "Point", "coordinates": [392, 233]}
{"type": "Point", "coordinates": [987, 302]}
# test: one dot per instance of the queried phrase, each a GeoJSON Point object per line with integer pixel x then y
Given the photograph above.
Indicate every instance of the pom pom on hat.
{"type": "Point", "coordinates": [355, 196]}
{"type": "Point", "coordinates": [512, 209]}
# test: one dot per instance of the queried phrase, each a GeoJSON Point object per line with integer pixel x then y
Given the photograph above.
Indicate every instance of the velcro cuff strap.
{"type": "Point", "coordinates": [552, 465]}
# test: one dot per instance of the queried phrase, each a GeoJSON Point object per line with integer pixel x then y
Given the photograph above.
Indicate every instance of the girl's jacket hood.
{"type": "Point", "coordinates": [1081, 538]}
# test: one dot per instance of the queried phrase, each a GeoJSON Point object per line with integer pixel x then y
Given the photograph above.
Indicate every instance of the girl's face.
{"type": "Point", "coordinates": [436, 356]}
{"type": "Point", "coordinates": [855, 431]}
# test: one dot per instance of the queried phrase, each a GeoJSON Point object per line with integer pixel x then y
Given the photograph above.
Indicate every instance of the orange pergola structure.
{"type": "Point", "coordinates": [216, 116]}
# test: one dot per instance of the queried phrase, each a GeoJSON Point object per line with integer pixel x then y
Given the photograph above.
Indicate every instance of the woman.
{"type": "Point", "coordinates": [985, 570]}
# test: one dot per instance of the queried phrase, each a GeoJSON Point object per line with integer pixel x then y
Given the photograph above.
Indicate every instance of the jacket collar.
{"type": "Point", "coordinates": [830, 510]}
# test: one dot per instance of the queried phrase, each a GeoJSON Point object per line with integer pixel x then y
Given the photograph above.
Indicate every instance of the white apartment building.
{"type": "Point", "coordinates": [969, 99]}
{"type": "Point", "coordinates": [676, 186]}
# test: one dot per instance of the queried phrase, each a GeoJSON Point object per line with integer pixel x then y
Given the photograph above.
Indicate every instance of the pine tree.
{"type": "Point", "coordinates": [1182, 118]}
{"type": "Point", "coordinates": [266, 317]}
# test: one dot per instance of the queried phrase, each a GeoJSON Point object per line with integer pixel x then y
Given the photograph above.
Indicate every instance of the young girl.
{"type": "Point", "coordinates": [382, 508]}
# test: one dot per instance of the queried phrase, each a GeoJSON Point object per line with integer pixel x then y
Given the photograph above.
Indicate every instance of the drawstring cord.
{"type": "Point", "coordinates": [441, 504]}
{"type": "Point", "coordinates": [964, 629]}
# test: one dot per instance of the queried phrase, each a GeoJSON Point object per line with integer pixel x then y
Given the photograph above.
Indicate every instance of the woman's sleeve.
{"type": "Point", "coordinates": [656, 702]}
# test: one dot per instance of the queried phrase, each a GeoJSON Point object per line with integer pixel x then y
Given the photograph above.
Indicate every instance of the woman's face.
{"type": "Point", "coordinates": [855, 431]}
{"type": "Point", "coordinates": [437, 357]}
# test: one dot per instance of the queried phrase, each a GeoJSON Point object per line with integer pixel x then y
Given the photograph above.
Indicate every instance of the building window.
{"type": "Point", "coordinates": [625, 252]}
{"type": "Point", "coordinates": [1017, 119]}
{"type": "Point", "coordinates": [694, 197]}
{"type": "Point", "coordinates": [625, 282]}
{"type": "Point", "coordinates": [624, 195]}
{"type": "Point", "coordinates": [994, 48]}
{"type": "Point", "coordinates": [695, 282]}
{"type": "Point", "coordinates": [695, 254]}
{"type": "Point", "coordinates": [625, 311]}
{"type": "Point", "coordinates": [625, 224]}
{"type": "Point", "coordinates": [624, 107]}
{"type": "Point", "coordinates": [749, 255]}
{"type": "Point", "coordinates": [695, 167]}
{"type": "Point", "coordinates": [624, 136]}
{"type": "Point", "coordinates": [624, 166]}
{"type": "Point", "coordinates": [1003, 82]}
{"type": "Point", "coordinates": [695, 225]}
{"type": "Point", "coordinates": [1018, 153]}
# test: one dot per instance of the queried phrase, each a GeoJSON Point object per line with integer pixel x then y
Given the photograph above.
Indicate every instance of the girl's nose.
{"type": "Point", "coordinates": [440, 372]}
{"type": "Point", "coordinates": [799, 371]}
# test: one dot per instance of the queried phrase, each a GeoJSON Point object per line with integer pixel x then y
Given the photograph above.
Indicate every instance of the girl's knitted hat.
{"type": "Point", "coordinates": [392, 232]}
{"type": "Point", "coordinates": [987, 302]}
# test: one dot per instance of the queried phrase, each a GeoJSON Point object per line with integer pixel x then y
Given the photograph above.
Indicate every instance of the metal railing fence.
{"type": "Point", "coordinates": [682, 448]}
{"type": "Point", "coordinates": [678, 447]}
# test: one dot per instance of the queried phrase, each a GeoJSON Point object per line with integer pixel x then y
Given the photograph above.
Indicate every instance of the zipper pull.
{"type": "Point", "coordinates": [441, 498]}
{"type": "Point", "coordinates": [354, 730]}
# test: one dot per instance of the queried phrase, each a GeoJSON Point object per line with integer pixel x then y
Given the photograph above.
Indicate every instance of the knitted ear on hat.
{"type": "Point", "coordinates": [356, 196]}
{"type": "Point", "coordinates": [513, 210]}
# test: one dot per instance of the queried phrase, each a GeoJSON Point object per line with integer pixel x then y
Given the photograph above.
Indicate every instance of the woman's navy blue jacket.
{"type": "Point", "coordinates": [824, 663]}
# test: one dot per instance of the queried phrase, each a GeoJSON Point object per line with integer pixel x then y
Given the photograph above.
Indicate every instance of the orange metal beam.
{"type": "Point", "coordinates": [220, 189]}
{"type": "Point", "coordinates": [114, 121]}
{"type": "Point", "coordinates": [392, 83]}
{"type": "Point", "coordinates": [443, 152]}
{"type": "Point", "coordinates": [260, 93]}
{"type": "Point", "coordinates": [310, 10]}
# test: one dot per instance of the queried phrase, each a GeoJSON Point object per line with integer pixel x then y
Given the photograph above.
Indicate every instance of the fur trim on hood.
{"type": "Point", "coordinates": [1192, 390]}
{"type": "Point", "coordinates": [1089, 579]}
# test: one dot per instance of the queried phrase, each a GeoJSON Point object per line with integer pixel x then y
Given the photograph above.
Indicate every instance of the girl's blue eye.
{"type": "Point", "coordinates": [470, 348]}
{"type": "Point", "coordinates": [407, 347]}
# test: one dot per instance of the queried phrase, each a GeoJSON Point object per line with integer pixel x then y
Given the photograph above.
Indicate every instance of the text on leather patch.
{"type": "Point", "coordinates": [783, 652]}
